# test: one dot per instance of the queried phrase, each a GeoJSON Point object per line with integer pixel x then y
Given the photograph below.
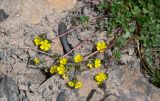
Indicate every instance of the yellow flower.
{"type": "Point", "coordinates": [97, 63]}
{"type": "Point", "coordinates": [70, 84]}
{"type": "Point", "coordinates": [53, 69]}
{"type": "Point", "coordinates": [90, 65]}
{"type": "Point", "coordinates": [78, 58]}
{"type": "Point", "coordinates": [45, 45]}
{"type": "Point", "coordinates": [65, 76]}
{"type": "Point", "coordinates": [78, 84]}
{"type": "Point", "coordinates": [37, 41]}
{"type": "Point", "coordinates": [101, 46]}
{"type": "Point", "coordinates": [63, 61]}
{"type": "Point", "coordinates": [36, 60]}
{"type": "Point", "coordinates": [100, 77]}
{"type": "Point", "coordinates": [61, 69]}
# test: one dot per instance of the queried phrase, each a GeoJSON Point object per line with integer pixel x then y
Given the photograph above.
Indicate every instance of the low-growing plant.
{"type": "Point", "coordinates": [125, 19]}
{"type": "Point", "coordinates": [62, 65]}
{"type": "Point", "coordinates": [141, 17]}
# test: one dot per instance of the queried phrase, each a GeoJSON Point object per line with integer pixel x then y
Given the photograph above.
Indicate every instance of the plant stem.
{"type": "Point", "coordinates": [79, 26]}
{"type": "Point", "coordinates": [112, 57]}
{"type": "Point", "coordinates": [67, 32]}
{"type": "Point", "coordinates": [92, 54]}
{"type": "Point", "coordinates": [119, 30]}
{"type": "Point", "coordinates": [78, 45]}
{"type": "Point", "coordinates": [51, 55]}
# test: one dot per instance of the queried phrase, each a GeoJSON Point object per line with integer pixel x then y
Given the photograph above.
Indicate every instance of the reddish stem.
{"type": "Point", "coordinates": [78, 45]}
{"type": "Point", "coordinates": [119, 30]}
{"type": "Point", "coordinates": [92, 54]}
{"type": "Point", "coordinates": [67, 32]}
{"type": "Point", "coordinates": [99, 17]}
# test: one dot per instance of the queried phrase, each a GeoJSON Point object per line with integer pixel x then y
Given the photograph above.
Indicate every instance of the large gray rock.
{"type": "Point", "coordinates": [8, 88]}
{"type": "Point", "coordinates": [126, 84]}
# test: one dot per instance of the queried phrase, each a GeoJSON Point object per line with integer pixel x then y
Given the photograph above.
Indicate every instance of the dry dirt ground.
{"type": "Point", "coordinates": [20, 22]}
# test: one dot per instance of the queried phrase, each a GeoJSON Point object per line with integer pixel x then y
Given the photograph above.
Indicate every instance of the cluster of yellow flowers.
{"type": "Point", "coordinates": [75, 84]}
{"type": "Point", "coordinates": [43, 44]}
{"type": "Point", "coordinates": [60, 69]}
{"type": "Point", "coordinates": [97, 63]}
{"type": "Point", "coordinates": [100, 78]}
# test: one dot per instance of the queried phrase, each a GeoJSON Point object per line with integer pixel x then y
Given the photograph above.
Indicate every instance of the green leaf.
{"type": "Point", "coordinates": [102, 6]}
{"type": "Point", "coordinates": [126, 35]}
{"type": "Point", "coordinates": [117, 53]}
{"type": "Point", "coordinates": [84, 19]}
{"type": "Point", "coordinates": [136, 10]}
{"type": "Point", "coordinates": [120, 42]}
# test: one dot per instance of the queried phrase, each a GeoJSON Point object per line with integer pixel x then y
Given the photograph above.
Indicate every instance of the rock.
{"type": "Point", "coordinates": [34, 96]}
{"type": "Point", "coordinates": [24, 57]}
{"type": "Point", "coordinates": [2, 54]}
{"type": "Point", "coordinates": [23, 87]}
{"type": "Point", "coordinates": [58, 91]}
{"type": "Point", "coordinates": [61, 5]}
{"type": "Point", "coordinates": [84, 35]}
{"type": "Point", "coordinates": [8, 88]}
{"type": "Point", "coordinates": [3, 15]}
{"type": "Point", "coordinates": [62, 97]}
{"type": "Point", "coordinates": [127, 95]}
{"type": "Point", "coordinates": [125, 58]}
{"type": "Point", "coordinates": [72, 39]}
{"type": "Point", "coordinates": [56, 47]}
{"type": "Point", "coordinates": [87, 86]}
{"type": "Point", "coordinates": [97, 95]}
{"type": "Point", "coordinates": [86, 48]}
{"type": "Point", "coordinates": [130, 86]}
{"type": "Point", "coordinates": [32, 53]}
{"type": "Point", "coordinates": [82, 98]}
{"type": "Point", "coordinates": [109, 52]}
{"type": "Point", "coordinates": [130, 51]}
{"type": "Point", "coordinates": [71, 74]}
{"type": "Point", "coordinates": [25, 98]}
{"type": "Point", "coordinates": [46, 94]}
{"type": "Point", "coordinates": [16, 51]}
{"type": "Point", "coordinates": [115, 76]}
{"type": "Point", "coordinates": [35, 76]}
{"type": "Point", "coordinates": [101, 36]}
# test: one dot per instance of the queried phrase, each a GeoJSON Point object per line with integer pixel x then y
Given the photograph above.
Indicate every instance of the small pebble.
{"type": "Point", "coordinates": [3, 15]}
